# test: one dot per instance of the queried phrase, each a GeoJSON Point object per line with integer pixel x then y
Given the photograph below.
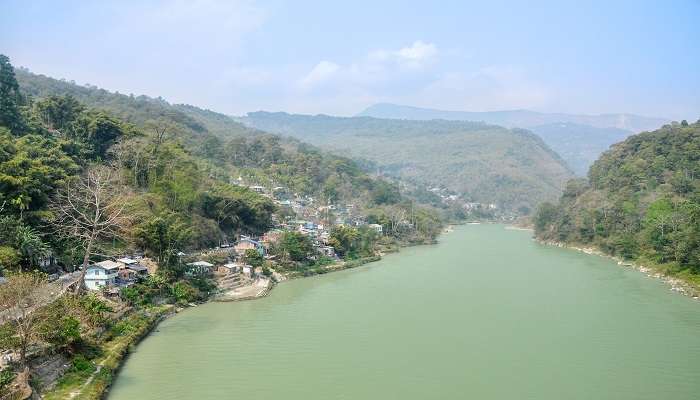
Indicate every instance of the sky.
{"type": "Point", "coordinates": [337, 58]}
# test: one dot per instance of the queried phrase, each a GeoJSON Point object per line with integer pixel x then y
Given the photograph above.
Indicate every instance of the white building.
{"type": "Point", "coordinates": [101, 275]}
{"type": "Point", "coordinates": [377, 228]}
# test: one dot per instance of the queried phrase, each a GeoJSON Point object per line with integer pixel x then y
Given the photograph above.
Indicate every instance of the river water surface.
{"type": "Point", "coordinates": [485, 314]}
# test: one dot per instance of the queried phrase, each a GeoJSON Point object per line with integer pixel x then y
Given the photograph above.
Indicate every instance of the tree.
{"type": "Point", "coordinates": [90, 209]}
{"type": "Point", "coordinates": [20, 298]}
{"type": "Point", "coordinates": [163, 236]}
{"type": "Point", "coordinates": [294, 246]}
{"type": "Point", "coordinates": [253, 258]}
{"type": "Point", "coordinates": [10, 98]}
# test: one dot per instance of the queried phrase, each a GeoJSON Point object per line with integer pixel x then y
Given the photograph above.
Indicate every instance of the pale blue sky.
{"type": "Point", "coordinates": [338, 57]}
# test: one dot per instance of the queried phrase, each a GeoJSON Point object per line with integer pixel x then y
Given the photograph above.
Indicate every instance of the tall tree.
{"type": "Point", "coordinates": [90, 209]}
{"type": "Point", "coordinates": [10, 98]}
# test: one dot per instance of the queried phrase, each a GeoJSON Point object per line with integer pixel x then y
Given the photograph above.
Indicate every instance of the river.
{"type": "Point", "coordinates": [485, 314]}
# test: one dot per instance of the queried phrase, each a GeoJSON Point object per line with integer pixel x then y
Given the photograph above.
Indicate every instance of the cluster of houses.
{"type": "Point", "coordinates": [310, 219]}
{"type": "Point", "coordinates": [114, 273]}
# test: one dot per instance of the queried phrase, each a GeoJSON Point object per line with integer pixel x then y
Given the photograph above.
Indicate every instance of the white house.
{"type": "Point", "coordinates": [377, 228]}
{"type": "Point", "coordinates": [101, 275]}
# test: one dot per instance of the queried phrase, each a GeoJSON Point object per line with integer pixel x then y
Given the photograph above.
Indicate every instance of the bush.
{"type": "Point", "coordinates": [6, 377]}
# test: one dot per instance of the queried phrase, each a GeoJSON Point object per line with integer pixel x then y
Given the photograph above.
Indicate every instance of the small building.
{"type": "Point", "coordinates": [199, 268]}
{"type": "Point", "coordinates": [101, 275]}
{"type": "Point", "coordinates": [229, 268]}
{"type": "Point", "coordinates": [376, 227]}
{"type": "Point", "coordinates": [133, 272]}
{"type": "Point", "coordinates": [247, 243]}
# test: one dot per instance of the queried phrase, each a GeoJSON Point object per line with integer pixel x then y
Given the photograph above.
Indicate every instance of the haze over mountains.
{"type": "Point", "coordinates": [512, 168]}
{"type": "Point", "coordinates": [579, 139]}
{"type": "Point", "coordinates": [516, 118]}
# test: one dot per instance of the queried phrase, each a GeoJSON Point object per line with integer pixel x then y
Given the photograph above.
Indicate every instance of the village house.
{"type": "Point", "coordinates": [199, 268]}
{"type": "Point", "coordinates": [247, 243]}
{"type": "Point", "coordinates": [101, 275]}
{"type": "Point", "coordinates": [376, 227]}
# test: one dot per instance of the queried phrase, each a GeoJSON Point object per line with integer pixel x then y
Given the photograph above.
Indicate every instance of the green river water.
{"type": "Point", "coordinates": [485, 314]}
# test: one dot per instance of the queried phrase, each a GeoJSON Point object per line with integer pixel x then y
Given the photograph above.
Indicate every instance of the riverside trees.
{"type": "Point", "coordinates": [642, 200]}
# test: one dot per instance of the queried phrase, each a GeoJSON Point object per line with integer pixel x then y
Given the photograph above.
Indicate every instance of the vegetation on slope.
{"type": "Point", "coordinates": [488, 164]}
{"type": "Point", "coordinates": [641, 201]}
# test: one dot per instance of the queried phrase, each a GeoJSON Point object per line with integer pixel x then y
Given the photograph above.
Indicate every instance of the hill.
{"type": "Point", "coordinates": [641, 201]}
{"type": "Point", "coordinates": [579, 139]}
{"type": "Point", "coordinates": [186, 178]}
{"type": "Point", "coordinates": [516, 118]}
{"type": "Point", "coordinates": [513, 169]}
{"type": "Point", "coordinates": [579, 145]}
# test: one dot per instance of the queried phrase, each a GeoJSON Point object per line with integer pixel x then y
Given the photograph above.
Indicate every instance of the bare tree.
{"type": "Point", "coordinates": [90, 209]}
{"type": "Point", "coordinates": [20, 297]}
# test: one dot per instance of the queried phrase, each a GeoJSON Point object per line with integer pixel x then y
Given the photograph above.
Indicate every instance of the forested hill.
{"type": "Point", "coordinates": [181, 174]}
{"type": "Point", "coordinates": [578, 139]}
{"type": "Point", "coordinates": [514, 169]}
{"type": "Point", "coordinates": [641, 201]}
{"type": "Point", "coordinates": [191, 121]}
{"type": "Point", "coordinates": [579, 145]}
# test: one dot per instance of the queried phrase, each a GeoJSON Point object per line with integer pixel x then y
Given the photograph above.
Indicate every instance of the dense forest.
{"type": "Point", "coordinates": [578, 139]}
{"type": "Point", "coordinates": [641, 201]}
{"type": "Point", "coordinates": [513, 169]}
{"type": "Point", "coordinates": [173, 169]}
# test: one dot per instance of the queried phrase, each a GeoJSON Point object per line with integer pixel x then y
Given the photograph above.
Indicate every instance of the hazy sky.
{"type": "Point", "coordinates": [339, 57]}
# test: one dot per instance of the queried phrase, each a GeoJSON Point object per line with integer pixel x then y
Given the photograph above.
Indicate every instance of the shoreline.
{"type": "Point", "coordinates": [123, 355]}
{"type": "Point", "coordinates": [677, 285]}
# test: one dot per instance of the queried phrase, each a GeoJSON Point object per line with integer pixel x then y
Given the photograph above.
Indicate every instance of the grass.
{"type": "Point", "coordinates": [83, 381]}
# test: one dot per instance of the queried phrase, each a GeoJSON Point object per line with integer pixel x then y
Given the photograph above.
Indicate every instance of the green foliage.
{"type": "Point", "coordinates": [61, 331]}
{"type": "Point", "coordinates": [9, 258]}
{"type": "Point", "coordinates": [486, 163]}
{"type": "Point", "coordinates": [185, 293]}
{"type": "Point", "coordinates": [643, 200]}
{"type": "Point", "coordinates": [352, 242]}
{"type": "Point", "coordinates": [6, 377]}
{"type": "Point", "coordinates": [93, 309]}
{"type": "Point", "coordinates": [163, 236]}
{"type": "Point", "coordinates": [10, 97]}
{"type": "Point", "coordinates": [294, 247]}
{"type": "Point", "coordinates": [31, 168]}
{"type": "Point", "coordinates": [253, 258]}
{"type": "Point", "coordinates": [236, 208]}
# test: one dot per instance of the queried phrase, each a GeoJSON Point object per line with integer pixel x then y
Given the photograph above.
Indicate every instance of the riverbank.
{"type": "Point", "coordinates": [679, 284]}
{"type": "Point", "coordinates": [90, 380]}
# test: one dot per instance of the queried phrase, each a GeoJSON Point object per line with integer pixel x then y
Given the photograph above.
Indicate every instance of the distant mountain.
{"type": "Point", "coordinates": [516, 118]}
{"type": "Point", "coordinates": [510, 167]}
{"type": "Point", "coordinates": [579, 145]}
{"type": "Point", "coordinates": [579, 139]}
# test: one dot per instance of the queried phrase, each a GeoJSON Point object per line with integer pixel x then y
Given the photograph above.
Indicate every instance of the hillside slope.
{"type": "Point", "coordinates": [579, 145]}
{"type": "Point", "coordinates": [642, 201]}
{"type": "Point", "coordinates": [579, 139]}
{"type": "Point", "coordinates": [489, 164]}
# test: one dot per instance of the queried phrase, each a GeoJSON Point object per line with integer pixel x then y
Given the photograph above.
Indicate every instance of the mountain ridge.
{"type": "Point", "coordinates": [520, 118]}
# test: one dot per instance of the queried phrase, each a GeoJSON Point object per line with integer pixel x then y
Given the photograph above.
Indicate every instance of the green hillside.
{"type": "Point", "coordinates": [489, 164]}
{"type": "Point", "coordinates": [641, 201]}
{"type": "Point", "coordinates": [579, 145]}
{"type": "Point", "coordinates": [174, 169]}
